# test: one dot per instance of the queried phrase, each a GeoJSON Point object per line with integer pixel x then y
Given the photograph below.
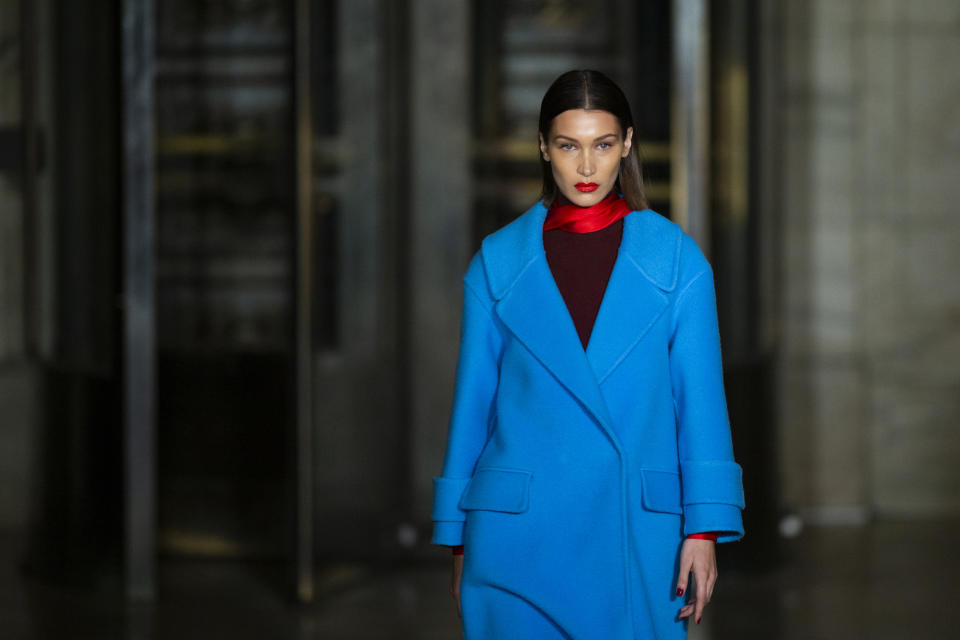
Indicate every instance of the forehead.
{"type": "Point", "coordinates": [584, 124]}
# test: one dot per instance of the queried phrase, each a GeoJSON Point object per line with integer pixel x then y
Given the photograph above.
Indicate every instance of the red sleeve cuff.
{"type": "Point", "coordinates": [457, 550]}
{"type": "Point", "coordinates": [709, 535]}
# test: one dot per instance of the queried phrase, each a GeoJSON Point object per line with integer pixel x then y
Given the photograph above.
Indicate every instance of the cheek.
{"type": "Point", "coordinates": [611, 164]}
{"type": "Point", "coordinates": [561, 173]}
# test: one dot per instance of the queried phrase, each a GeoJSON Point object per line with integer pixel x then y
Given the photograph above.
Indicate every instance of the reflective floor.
{"type": "Point", "coordinates": [886, 581]}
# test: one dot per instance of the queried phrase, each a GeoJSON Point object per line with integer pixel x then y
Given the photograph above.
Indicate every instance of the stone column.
{"type": "Point", "coordinates": [440, 224]}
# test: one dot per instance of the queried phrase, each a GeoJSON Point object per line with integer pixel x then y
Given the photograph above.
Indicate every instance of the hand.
{"type": "Point", "coordinates": [698, 556]}
{"type": "Point", "coordinates": [455, 581]}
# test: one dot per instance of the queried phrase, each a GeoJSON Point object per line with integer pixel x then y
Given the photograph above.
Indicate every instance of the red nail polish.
{"type": "Point", "coordinates": [698, 620]}
{"type": "Point", "coordinates": [679, 591]}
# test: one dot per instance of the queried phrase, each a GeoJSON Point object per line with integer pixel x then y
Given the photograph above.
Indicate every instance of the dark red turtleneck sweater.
{"type": "Point", "coordinates": [581, 264]}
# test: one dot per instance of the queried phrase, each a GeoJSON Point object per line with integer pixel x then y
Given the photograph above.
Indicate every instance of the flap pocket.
{"type": "Point", "coordinates": [493, 489]}
{"type": "Point", "coordinates": [661, 491]}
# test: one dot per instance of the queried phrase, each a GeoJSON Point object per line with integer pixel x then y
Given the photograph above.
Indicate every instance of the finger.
{"type": "Point", "coordinates": [685, 566]}
{"type": "Point", "coordinates": [687, 609]}
{"type": "Point", "coordinates": [455, 592]}
{"type": "Point", "coordinates": [701, 599]}
{"type": "Point", "coordinates": [455, 578]}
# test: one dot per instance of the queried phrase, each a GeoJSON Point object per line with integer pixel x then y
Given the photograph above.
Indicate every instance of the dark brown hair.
{"type": "Point", "coordinates": [589, 89]}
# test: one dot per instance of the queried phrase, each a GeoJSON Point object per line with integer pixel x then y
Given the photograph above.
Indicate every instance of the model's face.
{"type": "Point", "coordinates": [584, 149]}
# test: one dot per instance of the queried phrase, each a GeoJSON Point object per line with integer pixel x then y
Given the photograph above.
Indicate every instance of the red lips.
{"type": "Point", "coordinates": [586, 187]}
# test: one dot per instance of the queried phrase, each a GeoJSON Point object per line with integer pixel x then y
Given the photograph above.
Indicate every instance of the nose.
{"type": "Point", "coordinates": [586, 168]}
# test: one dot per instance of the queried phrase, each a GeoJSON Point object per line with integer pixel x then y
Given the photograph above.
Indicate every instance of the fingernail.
{"type": "Point", "coordinates": [679, 591]}
{"type": "Point", "coordinates": [698, 620]}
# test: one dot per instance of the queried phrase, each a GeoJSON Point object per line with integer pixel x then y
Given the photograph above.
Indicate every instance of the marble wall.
{"type": "Point", "coordinates": [11, 218]}
{"type": "Point", "coordinates": [16, 377]}
{"type": "Point", "coordinates": [865, 105]}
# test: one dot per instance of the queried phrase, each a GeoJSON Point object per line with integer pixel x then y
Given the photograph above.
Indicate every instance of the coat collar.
{"type": "Point", "coordinates": [650, 241]}
{"type": "Point", "coordinates": [532, 308]}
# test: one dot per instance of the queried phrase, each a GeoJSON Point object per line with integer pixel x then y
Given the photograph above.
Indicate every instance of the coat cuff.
{"type": "Point", "coordinates": [447, 533]}
{"type": "Point", "coordinates": [713, 498]}
{"type": "Point", "coordinates": [712, 481]}
{"type": "Point", "coordinates": [724, 519]}
{"type": "Point", "coordinates": [447, 517]}
{"type": "Point", "coordinates": [446, 496]}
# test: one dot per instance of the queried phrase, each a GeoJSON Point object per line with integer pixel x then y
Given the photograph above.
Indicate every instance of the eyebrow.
{"type": "Point", "coordinates": [606, 135]}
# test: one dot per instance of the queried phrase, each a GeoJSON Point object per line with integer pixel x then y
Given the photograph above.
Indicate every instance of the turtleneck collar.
{"type": "Point", "coordinates": [567, 216]}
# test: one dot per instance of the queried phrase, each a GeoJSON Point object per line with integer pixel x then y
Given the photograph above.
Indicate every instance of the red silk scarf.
{"type": "Point", "coordinates": [571, 217]}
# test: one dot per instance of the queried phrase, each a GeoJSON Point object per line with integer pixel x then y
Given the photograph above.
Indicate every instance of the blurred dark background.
{"type": "Point", "coordinates": [232, 236]}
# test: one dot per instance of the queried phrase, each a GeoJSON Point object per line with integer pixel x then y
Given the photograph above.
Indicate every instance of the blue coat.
{"type": "Point", "coordinates": [571, 476]}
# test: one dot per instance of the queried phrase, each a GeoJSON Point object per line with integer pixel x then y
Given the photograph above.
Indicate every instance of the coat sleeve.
{"type": "Point", "coordinates": [711, 480]}
{"type": "Point", "coordinates": [477, 377]}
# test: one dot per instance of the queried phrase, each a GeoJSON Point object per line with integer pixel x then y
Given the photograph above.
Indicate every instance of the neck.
{"type": "Point", "coordinates": [571, 217]}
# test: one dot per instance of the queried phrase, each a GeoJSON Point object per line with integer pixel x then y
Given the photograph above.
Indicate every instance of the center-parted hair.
{"type": "Point", "coordinates": [589, 89]}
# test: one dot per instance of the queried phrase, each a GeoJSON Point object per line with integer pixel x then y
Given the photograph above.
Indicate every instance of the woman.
{"type": "Point", "coordinates": [589, 465]}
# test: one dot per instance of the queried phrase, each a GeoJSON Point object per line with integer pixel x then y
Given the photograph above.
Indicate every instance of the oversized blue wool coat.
{"type": "Point", "coordinates": [572, 476]}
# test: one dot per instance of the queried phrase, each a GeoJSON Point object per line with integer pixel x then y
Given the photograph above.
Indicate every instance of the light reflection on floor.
{"type": "Point", "coordinates": [886, 581]}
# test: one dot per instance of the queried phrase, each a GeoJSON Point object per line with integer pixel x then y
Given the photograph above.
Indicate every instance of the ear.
{"type": "Point", "coordinates": [627, 142]}
{"type": "Point", "coordinates": [543, 148]}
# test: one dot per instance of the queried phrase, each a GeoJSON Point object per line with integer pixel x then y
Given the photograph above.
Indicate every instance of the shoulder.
{"type": "Point", "coordinates": [695, 274]}
{"type": "Point", "coordinates": [517, 236]}
{"type": "Point", "coordinates": [666, 254]}
{"type": "Point", "coordinates": [509, 250]}
{"type": "Point", "coordinates": [692, 262]}
{"type": "Point", "coordinates": [476, 282]}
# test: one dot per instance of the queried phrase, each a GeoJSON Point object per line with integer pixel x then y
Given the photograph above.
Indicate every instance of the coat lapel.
{"type": "Point", "coordinates": [635, 298]}
{"type": "Point", "coordinates": [531, 307]}
{"type": "Point", "coordinates": [534, 311]}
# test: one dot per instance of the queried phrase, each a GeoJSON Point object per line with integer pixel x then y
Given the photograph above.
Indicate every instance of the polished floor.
{"type": "Point", "coordinates": [893, 580]}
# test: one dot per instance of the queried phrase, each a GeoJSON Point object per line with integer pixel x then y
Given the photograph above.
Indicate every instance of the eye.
{"type": "Point", "coordinates": [566, 146]}
{"type": "Point", "coordinates": [603, 146]}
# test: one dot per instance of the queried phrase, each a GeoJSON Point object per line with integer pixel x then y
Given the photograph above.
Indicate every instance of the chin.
{"type": "Point", "coordinates": [587, 199]}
